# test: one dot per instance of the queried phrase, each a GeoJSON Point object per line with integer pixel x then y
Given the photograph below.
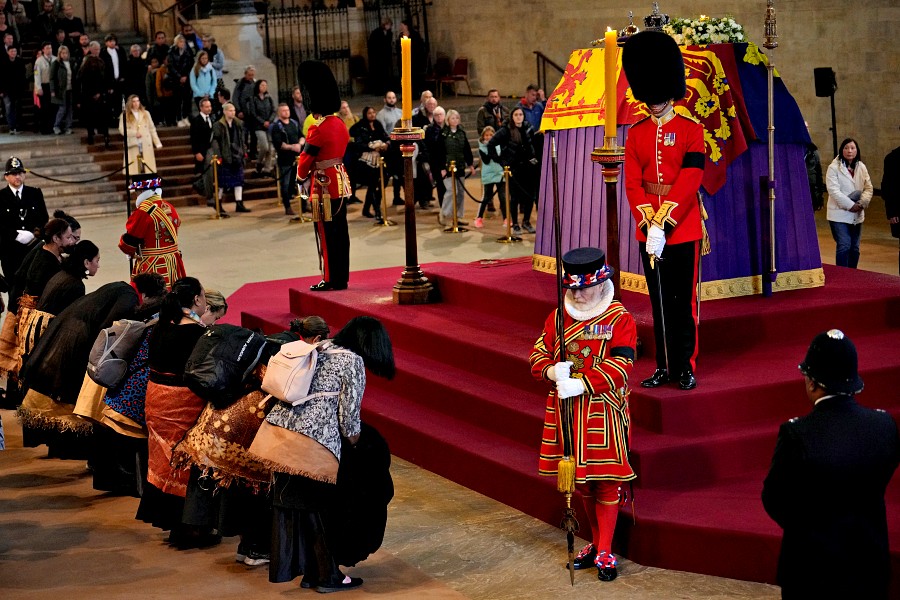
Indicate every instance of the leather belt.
{"type": "Point", "coordinates": [657, 189]}
{"type": "Point", "coordinates": [331, 162]}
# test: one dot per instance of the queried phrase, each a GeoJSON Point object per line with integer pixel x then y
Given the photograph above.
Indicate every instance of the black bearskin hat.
{"type": "Point", "coordinates": [654, 67]}
{"type": "Point", "coordinates": [319, 88]}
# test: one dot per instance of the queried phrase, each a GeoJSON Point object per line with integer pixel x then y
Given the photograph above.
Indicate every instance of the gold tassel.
{"type": "Point", "coordinates": [705, 246]}
{"type": "Point", "coordinates": [565, 479]}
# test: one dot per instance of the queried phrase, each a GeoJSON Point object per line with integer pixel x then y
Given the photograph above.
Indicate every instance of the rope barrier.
{"type": "Point", "coordinates": [47, 177]}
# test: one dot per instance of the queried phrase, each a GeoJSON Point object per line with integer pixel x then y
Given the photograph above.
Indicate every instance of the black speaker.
{"type": "Point", "coordinates": [826, 84]}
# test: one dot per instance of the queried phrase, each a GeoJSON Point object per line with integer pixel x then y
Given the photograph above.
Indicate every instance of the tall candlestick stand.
{"type": "Point", "coordinates": [413, 286]}
{"type": "Point", "coordinates": [610, 158]}
{"type": "Point", "coordinates": [385, 222]}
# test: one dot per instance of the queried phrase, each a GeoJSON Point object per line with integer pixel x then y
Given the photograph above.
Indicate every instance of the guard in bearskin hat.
{"type": "Point", "coordinates": [664, 160]}
{"type": "Point", "coordinates": [600, 338]}
{"type": "Point", "coordinates": [322, 159]}
{"type": "Point", "coordinates": [827, 481]}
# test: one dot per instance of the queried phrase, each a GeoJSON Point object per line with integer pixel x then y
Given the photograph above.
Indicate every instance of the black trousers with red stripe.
{"type": "Point", "coordinates": [334, 244]}
{"type": "Point", "coordinates": [677, 272]}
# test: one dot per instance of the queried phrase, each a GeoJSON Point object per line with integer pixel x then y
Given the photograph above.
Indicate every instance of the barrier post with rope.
{"type": "Point", "coordinates": [509, 238]}
{"type": "Point", "coordinates": [455, 228]}
{"type": "Point", "coordinates": [215, 167]}
{"type": "Point", "coordinates": [385, 222]}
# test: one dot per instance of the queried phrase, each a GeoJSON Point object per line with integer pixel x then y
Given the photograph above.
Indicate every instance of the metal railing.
{"type": "Point", "coordinates": [544, 61]}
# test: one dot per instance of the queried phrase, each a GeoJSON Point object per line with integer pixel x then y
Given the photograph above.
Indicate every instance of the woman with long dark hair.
{"type": "Point", "coordinates": [369, 140]}
{"type": "Point", "coordinates": [67, 286]}
{"type": "Point", "coordinates": [171, 409]}
{"type": "Point", "coordinates": [302, 445]}
{"type": "Point", "coordinates": [260, 113]}
{"type": "Point", "coordinates": [849, 193]}
{"type": "Point", "coordinates": [516, 142]}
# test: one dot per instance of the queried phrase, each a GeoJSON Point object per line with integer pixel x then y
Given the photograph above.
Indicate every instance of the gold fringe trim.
{"type": "Point", "coordinates": [711, 290]}
{"type": "Point", "coordinates": [282, 468]}
{"type": "Point", "coordinates": [37, 420]}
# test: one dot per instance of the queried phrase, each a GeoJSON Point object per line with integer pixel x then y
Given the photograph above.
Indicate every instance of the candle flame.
{"type": "Point", "coordinates": [608, 28]}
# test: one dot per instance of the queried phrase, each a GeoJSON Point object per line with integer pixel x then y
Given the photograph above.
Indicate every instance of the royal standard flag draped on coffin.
{"type": "Point", "coordinates": [579, 100]}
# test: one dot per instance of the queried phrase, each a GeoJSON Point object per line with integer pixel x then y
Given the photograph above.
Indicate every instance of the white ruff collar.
{"type": "Point", "coordinates": [606, 296]}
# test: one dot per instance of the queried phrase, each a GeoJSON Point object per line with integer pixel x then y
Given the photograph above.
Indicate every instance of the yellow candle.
{"type": "Point", "coordinates": [406, 78]}
{"type": "Point", "coordinates": [610, 51]}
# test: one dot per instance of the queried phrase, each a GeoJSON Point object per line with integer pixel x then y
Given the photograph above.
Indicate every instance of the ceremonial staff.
{"type": "Point", "coordinates": [770, 44]}
{"type": "Point", "coordinates": [565, 482]}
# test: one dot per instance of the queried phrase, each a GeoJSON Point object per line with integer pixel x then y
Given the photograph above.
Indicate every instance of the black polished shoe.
{"type": "Point", "coordinates": [659, 377]}
{"type": "Point", "coordinates": [324, 286]}
{"type": "Point", "coordinates": [367, 214]}
{"type": "Point", "coordinates": [687, 381]}
{"type": "Point", "coordinates": [239, 207]}
{"type": "Point", "coordinates": [585, 558]}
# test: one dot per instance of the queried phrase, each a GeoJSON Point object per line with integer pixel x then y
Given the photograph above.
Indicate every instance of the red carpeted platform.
{"type": "Point", "coordinates": [464, 405]}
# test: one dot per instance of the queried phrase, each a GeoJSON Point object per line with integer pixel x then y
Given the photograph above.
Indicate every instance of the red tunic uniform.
{"type": "Point", "coordinates": [326, 141]}
{"type": "Point", "coordinates": [664, 161]}
{"type": "Point", "coordinates": [322, 157]}
{"type": "Point", "coordinates": [602, 350]}
{"type": "Point", "coordinates": [151, 237]}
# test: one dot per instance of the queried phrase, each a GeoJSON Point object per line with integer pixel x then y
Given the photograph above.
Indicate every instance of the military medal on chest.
{"type": "Point", "coordinates": [669, 139]}
{"type": "Point", "coordinates": [597, 332]}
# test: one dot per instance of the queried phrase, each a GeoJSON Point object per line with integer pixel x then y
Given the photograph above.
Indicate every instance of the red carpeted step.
{"type": "Point", "coordinates": [745, 387]}
{"type": "Point", "coordinates": [479, 398]}
{"type": "Point", "coordinates": [479, 458]}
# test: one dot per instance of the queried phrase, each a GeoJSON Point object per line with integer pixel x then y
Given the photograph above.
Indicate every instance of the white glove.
{"type": "Point", "coordinates": [566, 388]}
{"type": "Point", "coordinates": [656, 240]}
{"type": "Point", "coordinates": [24, 237]}
{"type": "Point", "coordinates": [560, 370]}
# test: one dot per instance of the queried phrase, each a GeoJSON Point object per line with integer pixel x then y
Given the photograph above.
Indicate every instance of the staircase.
{"type": "Point", "coordinates": [464, 405]}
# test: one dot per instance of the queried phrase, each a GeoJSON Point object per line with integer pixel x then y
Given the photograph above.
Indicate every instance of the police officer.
{"type": "Point", "coordinates": [826, 485]}
{"type": "Point", "coordinates": [23, 215]}
{"type": "Point", "coordinates": [664, 160]}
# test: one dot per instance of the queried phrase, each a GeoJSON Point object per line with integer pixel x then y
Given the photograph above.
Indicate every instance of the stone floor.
{"type": "Point", "coordinates": [60, 538]}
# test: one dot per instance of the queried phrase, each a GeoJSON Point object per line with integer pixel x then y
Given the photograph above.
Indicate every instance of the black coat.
{"type": "Point", "coordinates": [57, 365]}
{"type": "Point", "coordinates": [890, 188]}
{"type": "Point", "coordinates": [29, 214]}
{"type": "Point", "coordinates": [201, 134]}
{"type": "Point", "coordinates": [826, 488]}
{"type": "Point", "coordinates": [358, 517]}
{"type": "Point", "coordinates": [111, 81]}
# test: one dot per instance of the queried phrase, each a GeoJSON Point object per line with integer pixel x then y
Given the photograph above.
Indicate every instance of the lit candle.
{"type": "Point", "coordinates": [406, 78]}
{"type": "Point", "coordinates": [610, 54]}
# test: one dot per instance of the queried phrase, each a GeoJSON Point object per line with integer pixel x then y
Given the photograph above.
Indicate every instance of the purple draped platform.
{"type": "Point", "coordinates": [738, 218]}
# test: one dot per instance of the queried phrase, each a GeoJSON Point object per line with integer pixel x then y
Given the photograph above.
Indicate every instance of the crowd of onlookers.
{"type": "Point", "coordinates": [68, 70]}
{"type": "Point", "coordinates": [508, 137]}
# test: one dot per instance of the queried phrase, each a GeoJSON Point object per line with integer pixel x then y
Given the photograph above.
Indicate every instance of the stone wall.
{"type": "Point", "coordinates": [856, 39]}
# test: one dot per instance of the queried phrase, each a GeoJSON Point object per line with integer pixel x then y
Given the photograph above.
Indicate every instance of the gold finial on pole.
{"type": "Point", "coordinates": [771, 26]}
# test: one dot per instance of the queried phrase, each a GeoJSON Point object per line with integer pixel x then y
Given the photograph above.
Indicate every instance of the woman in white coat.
{"type": "Point", "coordinates": [142, 137]}
{"type": "Point", "coordinates": [849, 192]}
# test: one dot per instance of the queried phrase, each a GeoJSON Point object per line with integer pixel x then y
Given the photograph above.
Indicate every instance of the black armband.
{"type": "Point", "coordinates": [311, 150]}
{"type": "Point", "coordinates": [134, 242]}
{"type": "Point", "coordinates": [694, 160]}
{"type": "Point", "coordinates": [622, 352]}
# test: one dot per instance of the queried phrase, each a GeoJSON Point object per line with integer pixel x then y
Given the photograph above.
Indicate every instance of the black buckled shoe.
{"type": "Point", "coordinates": [606, 566]}
{"type": "Point", "coordinates": [585, 558]}
{"type": "Point", "coordinates": [659, 377]}
{"type": "Point", "coordinates": [687, 381]}
{"type": "Point", "coordinates": [324, 286]}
